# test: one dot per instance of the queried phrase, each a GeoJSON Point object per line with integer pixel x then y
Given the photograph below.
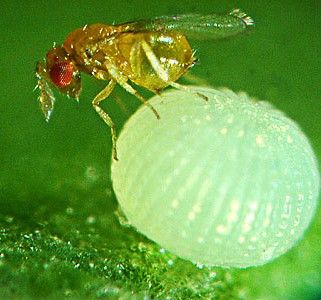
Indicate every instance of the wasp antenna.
{"type": "Point", "coordinates": [46, 97]}
{"type": "Point", "coordinates": [47, 117]}
{"type": "Point", "coordinates": [248, 21]}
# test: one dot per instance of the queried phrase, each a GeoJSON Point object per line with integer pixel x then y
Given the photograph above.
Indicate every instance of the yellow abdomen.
{"type": "Point", "coordinates": [172, 50]}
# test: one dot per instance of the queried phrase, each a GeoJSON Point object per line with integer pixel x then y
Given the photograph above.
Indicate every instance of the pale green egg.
{"type": "Point", "coordinates": [227, 182]}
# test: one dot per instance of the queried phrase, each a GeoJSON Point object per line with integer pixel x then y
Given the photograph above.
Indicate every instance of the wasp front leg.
{"type": "Point", "coordinates": [105, 116]}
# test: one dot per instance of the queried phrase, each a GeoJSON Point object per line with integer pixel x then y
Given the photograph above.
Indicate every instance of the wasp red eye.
{"type": "Point", "coordinates": [61, 73]}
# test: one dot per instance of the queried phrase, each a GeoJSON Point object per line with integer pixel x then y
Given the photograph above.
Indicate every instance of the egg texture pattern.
{"type": "Point", "coordinates": [227, 182]}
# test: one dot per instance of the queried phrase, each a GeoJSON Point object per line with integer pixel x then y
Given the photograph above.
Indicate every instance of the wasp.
{"type": "Point", "coordinates": [149, 53]}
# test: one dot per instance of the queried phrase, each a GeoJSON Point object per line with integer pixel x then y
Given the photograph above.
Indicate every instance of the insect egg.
{"type": "Point", "coordinates": [229, 182]}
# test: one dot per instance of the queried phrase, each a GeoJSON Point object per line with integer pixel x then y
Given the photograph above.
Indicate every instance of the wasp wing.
{"type": "Point", "coordinates": [196, 26]}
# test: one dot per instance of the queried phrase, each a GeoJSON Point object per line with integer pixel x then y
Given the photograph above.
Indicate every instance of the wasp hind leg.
{"type": "Point", "coordinates": [105, 116]}
{"type": "Point", "coordinates": [161, 73]}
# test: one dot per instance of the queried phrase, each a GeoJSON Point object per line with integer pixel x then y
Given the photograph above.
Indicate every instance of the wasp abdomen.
{"type": "Point", "coordinates": [173, 52]}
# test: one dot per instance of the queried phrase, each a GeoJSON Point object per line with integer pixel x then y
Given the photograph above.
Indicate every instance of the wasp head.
{"type": "Point", "coordinates": [60, 71]}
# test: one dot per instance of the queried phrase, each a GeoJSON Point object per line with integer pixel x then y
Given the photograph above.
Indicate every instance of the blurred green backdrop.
{"type": "Point", "coordinates": [59, 236]}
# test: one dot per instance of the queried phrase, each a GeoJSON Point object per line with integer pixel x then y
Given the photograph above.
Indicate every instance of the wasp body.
{"type": "Point", "coordinates": [150, 53]}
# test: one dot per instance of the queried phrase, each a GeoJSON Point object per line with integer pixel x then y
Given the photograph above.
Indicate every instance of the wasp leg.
{"type": "Point", "coordinates": [106, 118]}
{"type": "Point", "coordinates": [161, 73]}
{"type": "Point", "coordinates": [122, 81]}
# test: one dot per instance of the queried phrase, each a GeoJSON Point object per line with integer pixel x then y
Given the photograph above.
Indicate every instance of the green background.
{"type": "Point", "coordinates": [59, 236]}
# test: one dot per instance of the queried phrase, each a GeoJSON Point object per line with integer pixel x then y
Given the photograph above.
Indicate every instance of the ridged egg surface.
{"type": "Point", "coordinates": [226, 182]}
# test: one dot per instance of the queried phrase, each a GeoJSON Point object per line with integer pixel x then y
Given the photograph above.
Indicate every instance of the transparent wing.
{"type": "Point", "coordinates": [195, 25]}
